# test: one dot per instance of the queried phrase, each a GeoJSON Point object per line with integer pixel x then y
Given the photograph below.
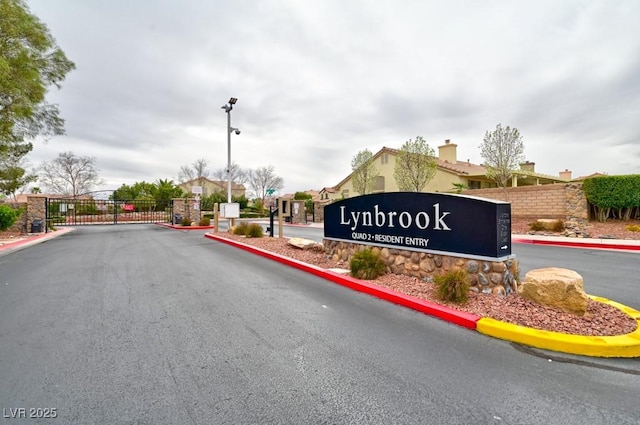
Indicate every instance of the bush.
{"type": "Point", "coordinates": [452, 286]}
{"type": "Point", "coordinates": [252, 230]}
{"type": "Point", "coordinates": [633, 228]}
{"type": "Point", "coordinates": [205, 221]}
{"type": "Point", "coordinates": [250, 215]}
{"type": "Point", "coordinates": [8, 216]}
{"type": "Point", "coordinates": [367, 265]}
{"type": "Point", "coordinates": [554, 226]}
{"type": "Point", "coordinates": [240, 228]}
{"type": "Point", "coordinates": [537, 226]}
{"type": "Point", "coordinates": [185, 222]}
{"type": "Point", "coordinates": [613, 196]}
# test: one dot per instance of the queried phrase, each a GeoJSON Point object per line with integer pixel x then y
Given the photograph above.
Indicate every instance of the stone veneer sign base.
{"type": "Point", "coordinates": [421, 234]}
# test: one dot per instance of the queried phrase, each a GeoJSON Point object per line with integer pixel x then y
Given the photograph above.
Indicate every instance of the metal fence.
{"type": "Point", "coordinates": [77, 212]}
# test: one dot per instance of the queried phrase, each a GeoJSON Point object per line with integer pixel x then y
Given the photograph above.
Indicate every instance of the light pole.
{"type": "Point", "coordinates": [227, 108]}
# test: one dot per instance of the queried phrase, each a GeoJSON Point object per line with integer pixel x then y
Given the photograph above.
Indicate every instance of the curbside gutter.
{"type": "Point", "coordinates": [179, 227]}
{"type": "Point", "coordinates": [590, 243]}
{"type": "Point", "coordinates": [24, 243]}
{"type": "Point", "coordinates": [595, 346]}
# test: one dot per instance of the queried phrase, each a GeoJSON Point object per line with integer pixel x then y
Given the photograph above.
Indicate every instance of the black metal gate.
{"type": "Point", "coordinates": [79, 211]}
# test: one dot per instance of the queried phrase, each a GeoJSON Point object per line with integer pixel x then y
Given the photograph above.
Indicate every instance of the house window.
{"type": "Point", "coordinates": [378, 185]}
{"type": "Point", "coordinates": [384, 158]}
{"type": "Point", "coordinates": [474, 184]}
{"type": "Point", "coordinates": [345, 193]}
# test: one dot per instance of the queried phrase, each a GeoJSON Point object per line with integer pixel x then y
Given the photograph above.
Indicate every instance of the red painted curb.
{"type": "Point", "coordinates": [592, 245]}
{"type": "Point", "coordinates": [448, 314]}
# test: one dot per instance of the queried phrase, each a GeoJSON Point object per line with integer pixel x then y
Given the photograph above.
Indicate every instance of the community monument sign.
{"type": "Point", "coordinates": [441, 223]}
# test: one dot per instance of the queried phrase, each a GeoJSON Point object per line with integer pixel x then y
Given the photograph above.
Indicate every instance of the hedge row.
{"type": "Point", "coordinates": [614, 196]}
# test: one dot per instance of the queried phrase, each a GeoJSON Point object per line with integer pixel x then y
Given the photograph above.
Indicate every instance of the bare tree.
{"type": "Point", "coordinates": [502, 151]}
{"type": "Point", "coordinates": [415, 165]}
{"type": "Point", "coordinates": [238, 175]}
{"type": "Point", "coordinates": [262, 179]}
{"type": "Point", "coordinates": [69, 174]}
{"type": "Point", "coordinates": [364, 173]}
{"type": "Point", "coordinates": [194, 171]}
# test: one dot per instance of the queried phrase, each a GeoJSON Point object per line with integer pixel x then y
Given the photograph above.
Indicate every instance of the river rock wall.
{"type": "Point", "coordinates": [488, 277]}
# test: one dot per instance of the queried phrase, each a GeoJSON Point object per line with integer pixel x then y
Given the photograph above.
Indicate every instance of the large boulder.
{"type": "Point", "coordinates": [302, 243]}
{"type": "Point", "coordinates": [555, 287]}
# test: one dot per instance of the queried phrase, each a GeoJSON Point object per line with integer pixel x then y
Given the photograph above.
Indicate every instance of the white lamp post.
{"type": "Point", "coordinates": [227, 108]}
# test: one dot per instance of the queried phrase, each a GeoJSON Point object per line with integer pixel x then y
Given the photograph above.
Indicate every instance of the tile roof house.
{"type": "Point", "coordinates": [212, 186]}
{"type": "Point", "coordinates": [449, 173]}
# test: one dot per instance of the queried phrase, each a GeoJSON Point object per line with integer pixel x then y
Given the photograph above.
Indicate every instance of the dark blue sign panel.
{"type": "Point", "coordinates": [433, 222]}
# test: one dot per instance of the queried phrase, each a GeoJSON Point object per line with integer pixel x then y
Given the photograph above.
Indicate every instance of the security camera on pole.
{"type": "Point", "coordinates": [230, 210]}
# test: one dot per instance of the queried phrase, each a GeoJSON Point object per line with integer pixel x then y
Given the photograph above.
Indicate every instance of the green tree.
{"type": "Point", "coordinates": [13, 174]}
{"type": "Point", "coordinates": [303, 196]}
{"type": "Point", "coordinates": [69, 174]}
{"type": "Point", "coordinates": [137, 191]}
{"type": "Point", "coordinates": [502, 151]}
{"type": "Point", "coordinates": [415, 165]}
{"type": "Point", "coordinates": [364, 174]}
{"type": "Point", "coordinates": [161, 191]}
{"type": "Point", "coordinates": [164, 191]}
{"type": "Point", "coordinates": [30, 62]}
{"type": "Point", "coordinates": [206, 203]}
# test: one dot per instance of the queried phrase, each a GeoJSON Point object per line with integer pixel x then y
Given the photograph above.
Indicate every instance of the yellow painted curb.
{"type": "Point", "coordinates": [627, 345]}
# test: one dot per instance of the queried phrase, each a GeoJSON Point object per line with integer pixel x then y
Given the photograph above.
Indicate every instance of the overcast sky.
{"type": "Point", "coordinates": [319, 81]}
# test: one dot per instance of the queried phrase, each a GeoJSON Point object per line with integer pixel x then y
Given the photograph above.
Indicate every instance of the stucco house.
{"type": "Point", "coordinates": [449, 173]}
{"type": "Point", "coordinates": [212, 186]}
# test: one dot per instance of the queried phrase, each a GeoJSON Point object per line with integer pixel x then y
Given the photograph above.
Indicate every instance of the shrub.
{"type": "Point", "coordinates": [250, 215]}
{"type": "Point", "coordinates": [250, 230]}
{"type": "Point", "coordinates": [367, 265]}
{"type": "Point", "coordinates": [254, 230]}
{"type": "Point", "coordinates": [633, 228]}
{"type": "Point", "coordinates": [205, 221]}
{"type": "Point", "coordinates": [536, 226]}
{"type": "Point", "coordinates": [240, 228]}
{"type": "Point", "coordinates": [452, 286]}
{"type": "Point", "coordinates": [554, 226]}
{"type": "Point", "coordinates": [8, 216]}
{"type": "Point", "coordinates": [185, 222]}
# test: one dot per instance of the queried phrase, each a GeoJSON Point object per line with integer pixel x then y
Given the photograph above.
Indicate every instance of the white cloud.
{"type": "Point", "coordinates": [319, 81]}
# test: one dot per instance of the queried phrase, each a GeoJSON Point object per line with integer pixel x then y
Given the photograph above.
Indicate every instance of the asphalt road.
{"type": "Point", "coordinates": [139, 324]}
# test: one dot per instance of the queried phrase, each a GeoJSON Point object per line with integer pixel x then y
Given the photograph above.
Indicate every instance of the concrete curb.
{"type": "Point", "coordinates": [178, 227]}
{"type": "Point", "coordinates": [595, 346]}
{"type": "Point", "coordinates": [590, 243]}
{"type": "Point", "coordinates": [25, 243]}
{"type": "Point", "coordinates": [608, 346]}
